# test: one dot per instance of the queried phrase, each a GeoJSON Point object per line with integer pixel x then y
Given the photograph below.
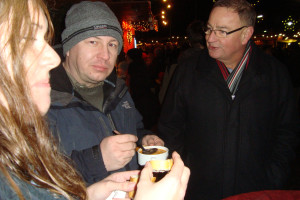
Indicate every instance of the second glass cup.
{"type": "Point", "coordinates": [161, 154]}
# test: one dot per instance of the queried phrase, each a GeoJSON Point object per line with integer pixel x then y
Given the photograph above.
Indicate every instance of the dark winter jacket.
{"type": "Point", "coordinates": [28, 191]}
{"type": "Point", "coordinates": [80, 127]}
{"type": "Point", "coordinates": [231, 146]}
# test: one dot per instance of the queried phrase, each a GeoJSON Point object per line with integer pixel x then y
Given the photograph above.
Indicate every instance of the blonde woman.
{"type": "Point", "coordinates": [31, 167]}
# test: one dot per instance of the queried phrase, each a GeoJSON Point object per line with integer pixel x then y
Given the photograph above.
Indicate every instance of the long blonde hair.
{"type": "Point", "coordinates": [27, 149]}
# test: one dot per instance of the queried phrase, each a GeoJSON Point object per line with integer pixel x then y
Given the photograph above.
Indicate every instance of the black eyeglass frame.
{"type": "Point", "coordinates": [227, 33]}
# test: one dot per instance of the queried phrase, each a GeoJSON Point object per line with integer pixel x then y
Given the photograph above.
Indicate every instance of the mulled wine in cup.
{"type": "Point", "coordinates": [160, 168]}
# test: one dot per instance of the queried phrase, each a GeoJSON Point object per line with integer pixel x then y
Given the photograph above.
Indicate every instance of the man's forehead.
{"type": "Point", "coordinates": [222, 17]}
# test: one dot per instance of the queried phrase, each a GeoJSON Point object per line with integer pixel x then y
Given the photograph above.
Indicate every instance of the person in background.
{"type": "Point", "coordinates": [196, 42]}
{"type": "Point", "coordinates": [122, 66]}
{"type": "Point", "coordinates": [92, 113]}
{"type": "Point", "coordinates": [31, 166]}
{"type": "Point", "coordinates": [196, 39]}
{"type": "Point", "coordinates": [156, 68]}
{"type": "Point", "coordinates": [230, 111]}
{"type": "Point", "coordinates": [140, 88]}
{"type": "Point", "coordinates": [195, 34]}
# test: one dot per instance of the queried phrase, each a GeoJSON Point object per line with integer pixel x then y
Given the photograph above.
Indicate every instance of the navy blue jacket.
{"type": "Point", "coordinates": [80, 127]}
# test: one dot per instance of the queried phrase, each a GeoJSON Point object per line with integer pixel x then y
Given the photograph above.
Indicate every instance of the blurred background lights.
{"type": "Point", "coordinates": [289, 24]}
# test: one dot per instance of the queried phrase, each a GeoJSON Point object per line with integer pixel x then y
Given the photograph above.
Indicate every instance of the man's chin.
{"type": "Point", "coordinates": [98, 79]}
{"type": "Point", "coordinates": [213, 54]}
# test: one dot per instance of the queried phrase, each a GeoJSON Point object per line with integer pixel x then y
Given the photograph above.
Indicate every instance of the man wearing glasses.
{"type": "Point", "coordinates": [230, 111]}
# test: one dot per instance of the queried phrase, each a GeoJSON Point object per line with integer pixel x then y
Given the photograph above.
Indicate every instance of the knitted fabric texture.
{"type": "Point", "coordinates": [90, 19]}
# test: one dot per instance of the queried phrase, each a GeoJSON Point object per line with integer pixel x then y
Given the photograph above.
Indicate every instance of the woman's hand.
{"type": "Point", "coordinates": [117, 181]}
{"type": "Point", "coordinates": [171, 187]}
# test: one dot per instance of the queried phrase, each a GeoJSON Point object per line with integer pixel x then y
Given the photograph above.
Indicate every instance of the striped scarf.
{"type": "Point", "coordinates": [233, 79]}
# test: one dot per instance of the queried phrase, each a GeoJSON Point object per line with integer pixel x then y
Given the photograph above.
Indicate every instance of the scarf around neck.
{"type": "Point", "coordinates": [233, 79]}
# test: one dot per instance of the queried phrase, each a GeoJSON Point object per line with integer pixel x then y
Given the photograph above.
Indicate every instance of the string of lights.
{"type": "Point", "coordinates": [167, 5]}
{"type": "Point", "coordinates": [289, 31]}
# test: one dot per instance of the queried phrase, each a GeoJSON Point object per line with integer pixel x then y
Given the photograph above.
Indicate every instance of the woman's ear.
{"type": "Point", "coordinates": [247, 34]}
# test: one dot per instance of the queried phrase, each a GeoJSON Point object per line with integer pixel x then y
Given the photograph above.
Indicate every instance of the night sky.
{"type": "Point", "coordinates": [185, 11]}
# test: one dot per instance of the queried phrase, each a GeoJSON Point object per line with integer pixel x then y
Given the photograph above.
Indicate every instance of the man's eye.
{"type": "Point", "coordinates": [222, 32]}
{"type": "Point", "coordinates": [93, 42]}
{"type": "Point", "coordinates": [113, 45]}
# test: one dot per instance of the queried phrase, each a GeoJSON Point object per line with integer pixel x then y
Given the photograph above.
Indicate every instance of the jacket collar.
{"type": "Point", "coordinates": [63, 91]}
{"type": "Point", "coordinates": [252, 74]}
{"type": "Point", "coordinates": [60, 81]}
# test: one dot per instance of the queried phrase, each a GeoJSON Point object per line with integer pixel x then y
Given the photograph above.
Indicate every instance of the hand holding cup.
{"type": "Point", "coordinates": [171, 187]}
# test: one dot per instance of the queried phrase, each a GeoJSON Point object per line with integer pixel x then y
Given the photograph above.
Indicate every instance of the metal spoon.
{"type": "Point", "coordinates": [148, 151]}
{"type": "Point", "coordinates": [144, 151]}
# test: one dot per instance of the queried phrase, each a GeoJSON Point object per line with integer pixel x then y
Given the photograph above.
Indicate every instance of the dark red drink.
{"type": "Point", "coordinates": [159, 175]}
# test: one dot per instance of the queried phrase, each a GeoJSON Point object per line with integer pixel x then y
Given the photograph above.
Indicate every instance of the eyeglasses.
{"type": "Point", "coordinates": [221, 33]}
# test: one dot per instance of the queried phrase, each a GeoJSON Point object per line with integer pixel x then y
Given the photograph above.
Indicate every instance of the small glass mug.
{"type": "Point", "coordinates": [160, 168]}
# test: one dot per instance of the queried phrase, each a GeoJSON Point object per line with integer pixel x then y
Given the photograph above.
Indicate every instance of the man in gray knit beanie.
{"type": "Point", "coordinates": [90, 19]}
{"type": "Point", "coordinates": [88, 102]}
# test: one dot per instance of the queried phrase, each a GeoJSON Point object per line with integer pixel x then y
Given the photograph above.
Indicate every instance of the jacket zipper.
{"type": "Point", "coordinates": [105, 128]}
{"type": "Point", "coordinates": [111, 121]}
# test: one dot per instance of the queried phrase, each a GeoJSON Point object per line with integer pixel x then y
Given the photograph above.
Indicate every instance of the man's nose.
{"type": "Point", "coordinates": [211, 37]}
{"type": "Point", "coordinates": [103, 53]}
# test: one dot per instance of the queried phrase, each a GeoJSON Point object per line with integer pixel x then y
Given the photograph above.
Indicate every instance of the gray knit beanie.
{"type": "Point", "coordinates": [89, 19]}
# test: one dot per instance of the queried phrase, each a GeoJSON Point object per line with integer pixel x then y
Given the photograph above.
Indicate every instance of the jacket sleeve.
{"type": "Point", "coordinates": [29, 191]}
{"type": "Point", "coordinates": [90, 164]}
{"type": "Point", "coordinates": [172, 118]}
{"type": "Point", "coordinates": [286, 134]}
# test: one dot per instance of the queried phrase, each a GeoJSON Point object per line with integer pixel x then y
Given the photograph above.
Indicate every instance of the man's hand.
{"type": "Point", "coordinates": [117, 181]}
{"type": "Point", "coordinates": [152, 140]}
{"type": "Point", "coordinates": [118, 150]}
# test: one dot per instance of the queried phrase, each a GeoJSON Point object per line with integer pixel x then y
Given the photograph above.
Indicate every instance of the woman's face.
{"type": "Point", "coordinates": [39, 59]}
